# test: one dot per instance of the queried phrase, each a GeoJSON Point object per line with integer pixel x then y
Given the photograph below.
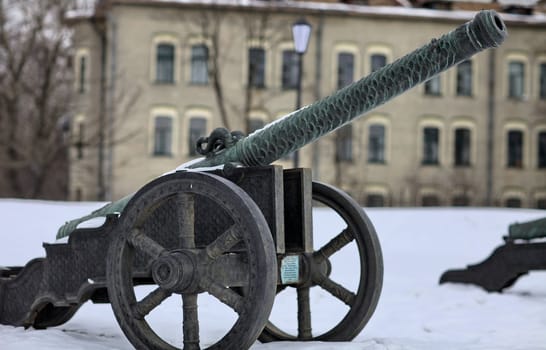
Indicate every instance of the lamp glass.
{"type": "Point", "coordinates": [301, 31]}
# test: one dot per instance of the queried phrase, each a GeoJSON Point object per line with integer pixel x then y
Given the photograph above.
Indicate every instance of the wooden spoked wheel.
{"type": "Point", "coordinates": [356, 232]}
{"type": "Point", "coordinates": [217, 242]}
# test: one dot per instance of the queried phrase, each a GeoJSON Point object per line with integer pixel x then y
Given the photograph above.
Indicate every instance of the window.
{"type": "Point", "coordinates": [376, 144]}
{"type": "Point", "coordinates": [375, 200]}
{"type": "Point", "coordinates": [431, 138]}
{"type": "Point", "coordinates": [289, 69]}
{"type": "Point", "coordinates": [433, 86]}
{"type": "Point", "coordinates": [163, 136]}
{"type": "Point", "coordinates": [542, 82]}
{"type": "Point", "coordinates": [80, 143]}
{"type": "Point", "coordinates": [541, 203]}
{"type": "Point", "coordinates": [254, 124]}
{"type": "Point", "coordinates": [516, 74]}
{"type": "Point", "coordinates": [256, 67]}
{"type": "Point", "coordinates": [344, 144]}
{"type": "Point", "coordinates": [345, 69]}
{"type": "Point", "coordinates": [78, 194]}
{"type": "Point", "coordinates": [378, 61]}
{"type": "Point", "coordinates": [464, 78]}
{"type": "Point", "coordinates": [512, 202]}
{"type": "Point", "coordinates": [460, 201]}
{"type": "Point", "coordinates": [199, 64]}
{"type": "Point", "coordinates": [430, 200]}
{"type": "Point", "coordinates": [541, 149]}
{"type": "Point", "coordinates": [83, 74]}
{"type": "Point", "coordinates": [165, 64]}
{"type": "Point", "coordinates": [462, 147]}
{"type": "Point", "coordinates": [515, 149]}
{"type": "Point", "coordinates": [198, 128]}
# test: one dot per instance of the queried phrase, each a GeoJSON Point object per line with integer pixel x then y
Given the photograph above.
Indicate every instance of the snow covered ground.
{"type": "Point", "coordinates": [414, 312]}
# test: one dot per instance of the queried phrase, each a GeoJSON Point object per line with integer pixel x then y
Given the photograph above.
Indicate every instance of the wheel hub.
{"type": "Point", "coordinates": [175, 272]}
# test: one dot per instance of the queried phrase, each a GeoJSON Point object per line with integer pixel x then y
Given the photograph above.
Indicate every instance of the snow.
{"type": "Point", "coordinates": [343, 8]}
{"type": "Point", "coordinates": [414, 312]}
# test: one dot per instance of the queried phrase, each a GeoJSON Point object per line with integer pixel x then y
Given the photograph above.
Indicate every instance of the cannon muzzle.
{"type": "Point", "coordinates": [309, 123]}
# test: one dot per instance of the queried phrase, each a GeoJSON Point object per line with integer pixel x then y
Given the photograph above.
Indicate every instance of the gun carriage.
{"type": "Point", "coordinates": [524, 250]}
{"type": "Point", "coordinates": [233, 226]}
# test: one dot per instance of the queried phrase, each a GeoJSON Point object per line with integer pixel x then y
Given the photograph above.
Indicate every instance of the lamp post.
{"type": "Point", "coordinates": [301, 32]}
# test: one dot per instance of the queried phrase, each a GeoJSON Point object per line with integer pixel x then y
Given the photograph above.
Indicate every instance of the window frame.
{"type": "Point", "coordinates": [513, 85]}
{"type": "Point", "coordinates": [377, 49]}
{"type": "Point", "coordinates": [541, 91]}
{"type": "Point", "coordinates": [81, 83]}
{"type": "Point", "coordinates": [170, 39]}
{"type": "Point", "coordinates": [433, 90]}
{"type": "Point", "coordinates": [167, 143]}
{"type": "Point", "coordinates": [465, 79]}
{"type": "Point", "coordinates": [377, 156]}
{"type": "Point", "coordinates": [373, 198]}
{"type": "Point", "coordinates": [459, 158]}
{"type": "Point", "coordinates": [262, 67]}
{"type": "Point", "coordinates": [541, 149]}
{"type": "Point", "coordinates": [428, 156]}
{"type": "Point", "coordinates": [202, 60]}
{"type": "Point", "coordinates": [377, 54]}
{"type": "Point", "coordinates": [289, 70]}
{"type": "Point", "coordinates": [344, 145]}
{"type": "Point", "coordinates": [193, 136]}
{"type": "Point", "coordinates": [340, 69]}
{"type": "Point", "coordinates": [162, 64]}
{"type": "Point", "coordinates": [514, 158]}
{"type": "Point", "coordinates": [166, 111]}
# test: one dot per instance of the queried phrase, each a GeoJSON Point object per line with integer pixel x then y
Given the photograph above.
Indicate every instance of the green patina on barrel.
{"type": "Point", "coordinates": [299, 128]}
{"type": "Point", "coordinates": [304, 126]}
{"type": "Point", "coordinates": [528, 230]}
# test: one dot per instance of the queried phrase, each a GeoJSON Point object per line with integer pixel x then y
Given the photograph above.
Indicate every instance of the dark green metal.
{"type": "Point", "coordinates": [305, 125]}
{"type": "Point", "coordinates": [110, 208]}
{"type": "Point", "coordinates": [528, 230]}
{"type": "Point", "coordinates": [309, 123]}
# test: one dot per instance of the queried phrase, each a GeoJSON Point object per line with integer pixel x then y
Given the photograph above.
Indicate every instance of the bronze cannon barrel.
{"type": "Point", "coordinates": [309, 123]}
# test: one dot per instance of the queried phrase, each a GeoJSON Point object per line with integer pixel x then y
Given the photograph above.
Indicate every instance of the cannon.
{"type": "Point", "coordinates": [232, 226]}
{"type": "Point", "coordinates": [523, 250]}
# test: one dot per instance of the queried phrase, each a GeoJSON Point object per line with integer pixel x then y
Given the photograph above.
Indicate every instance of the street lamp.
{"type": "Point", "coordinates": [301, 32]}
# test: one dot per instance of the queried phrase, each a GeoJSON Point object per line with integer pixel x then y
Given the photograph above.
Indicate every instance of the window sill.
{"type": "Point", "coordinates": [344, 161]}
{"type": "Point", "coordinates": [256, 87]}
{"type": "Point", "coordinates": [430, 164]}
{"type": "Point", "coordinates": [517, 98]}
{"type": "Point", "coordinates": [433, 95]}
{"type": "Point", "coordinates": [164, 83]}
{"type": "Point", "coordinates": [162, 155]}
{"type": "Point", "coordinates": [377, 162]}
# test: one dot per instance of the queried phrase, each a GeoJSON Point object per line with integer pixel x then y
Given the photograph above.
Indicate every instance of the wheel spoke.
{"type": "Point", "coordinates": [223, 243]}
{"type": "Point", "coordinates": [335, 245]}
{"type": "Point", "coordinates": [186, 220]}
{"type": "Point", "coordinates": [190, 324]}
{"type": "Point", "coordinates": [304, 314]}
{"type": "Point", "coordinates": [224, 294]}
{"type": "Point", "coordinates": [150, 302]}
{"type": "Point", "coordinates": [335, 289]}
{"type": "Point", "coordinates": [145, 244]}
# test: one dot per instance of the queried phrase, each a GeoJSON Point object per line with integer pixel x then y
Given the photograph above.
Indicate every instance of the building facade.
{"type": "Point", "coordinates": [153, 76]}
